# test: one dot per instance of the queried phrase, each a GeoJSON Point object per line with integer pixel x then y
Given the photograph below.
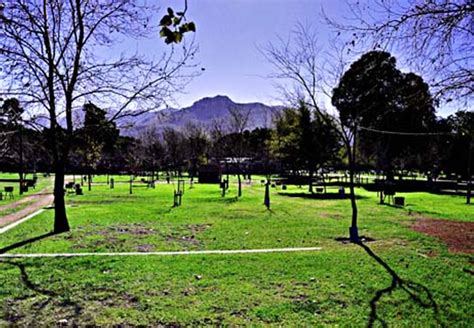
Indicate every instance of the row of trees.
{"type": "Point", "coordinates": [298, 143]}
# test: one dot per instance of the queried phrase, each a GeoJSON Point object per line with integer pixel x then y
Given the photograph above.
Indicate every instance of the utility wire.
{"type": "Point", "coordinates": [406, 133]}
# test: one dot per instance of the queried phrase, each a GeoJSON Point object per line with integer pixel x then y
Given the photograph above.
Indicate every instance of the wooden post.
{"type": "Point", "coordinates": [266, 200]}
{"type": "Point", "coordinates": [222, 185]}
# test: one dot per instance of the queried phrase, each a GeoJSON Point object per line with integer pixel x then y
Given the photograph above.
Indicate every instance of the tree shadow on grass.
{"type": "Point", "coordinates": [417, 292]}
{"type": "Point", "coordinates": [63, 302]}
{"type": "Point", "coordinates": [230, 200]}
{"type": "Point", "coordinates": [26, 242]}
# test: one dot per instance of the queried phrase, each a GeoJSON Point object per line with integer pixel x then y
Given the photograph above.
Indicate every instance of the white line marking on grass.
{"type": "Point", "coordinates": [14, 224]}
{"type": "Point", "coordinates": [171, 253]}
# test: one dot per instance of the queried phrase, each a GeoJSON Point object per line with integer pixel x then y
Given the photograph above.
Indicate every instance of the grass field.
{"type": "Point", "coordinates": [403, 278]}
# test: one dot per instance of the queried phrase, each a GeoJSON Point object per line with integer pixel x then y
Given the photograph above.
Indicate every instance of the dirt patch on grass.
{"type": "Point", "coordinates": [145, 248]}
{"type": "Point", "coordinates": [458, 236]}
{"type": "Point", "coordinates": [334, 216]}
{"type": "Point", "coordinates": [189, 238]}
{"type": "Point", "coordinates": [136, 236]}
{"type": "Point", "coordinates": [136, 229]}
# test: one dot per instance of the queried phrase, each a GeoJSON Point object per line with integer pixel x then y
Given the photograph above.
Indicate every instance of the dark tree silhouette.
{"type": "Point", "coordinates": [153, 150]}
{"type": "Point", "coordinates": [197, 144]}
{"type": "Point", "coordinates": [97, 136]}
{"type": "Point", "coordinates": [175, 150]}
{"type": "Point", "coordinates": [462, 146]}
{"type": "Point", "coordinates": [11, 116]}
{"type": "Point", "coordinates": [373, 96]}
{"type": "Point", "coordinates": [371, 93]}
{"type": "Point", "coordinates": [304, 142]}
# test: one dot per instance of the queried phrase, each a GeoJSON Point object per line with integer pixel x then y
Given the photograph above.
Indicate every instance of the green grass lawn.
{"type": "Point", "coordinates": [392, 280]}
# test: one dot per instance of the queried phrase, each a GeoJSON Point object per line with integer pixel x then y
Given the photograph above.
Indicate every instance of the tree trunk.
{"type": "Point", "coordinates": [468, 191]}
{"type": "Point", "coordinates": [353, 230]}
{"type": "Point", "coordinates": [240, 185]}
{"type": "Point", "coordinates": [61, 223]}
{"type": "Point", "coordinates": [311, 181]}
{"type": "Point", "coordinates": [21, 160]}
{"type": "Point", "coordinates": [324, 182]}
{"type": "Point", "coordinates": [354, 235]}
{"type": "Point", "coordinates": [89, 178]}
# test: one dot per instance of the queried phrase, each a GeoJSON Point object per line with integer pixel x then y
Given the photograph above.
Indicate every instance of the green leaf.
{"type": "Point", "coordinates": [166, 32]}
{"type": "Point", "coordinates": [166, 21]}
{"type": "Point", "coordinates": [183, 28]}
{"type": "Point", "coordinates": [176, 21]}
{"type": "Point", "coordinates": [178, 37]}
{"type": "Point", "coordinates": [191, 26]}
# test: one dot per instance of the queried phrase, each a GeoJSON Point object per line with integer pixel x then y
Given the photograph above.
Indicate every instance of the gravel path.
{"type": "Point", "coordinates": [39, 201]}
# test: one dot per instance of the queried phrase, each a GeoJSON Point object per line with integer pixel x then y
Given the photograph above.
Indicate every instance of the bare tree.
{"type": "Point", "coordinates": [197, 143]}
{"type": "Point", "coordinates": [50, 52]}
{"type": "Point", "coordinates": [299, 60]}
{"type": "Point", "coordinates": [436, 36]}
{"type": "Point", "coordinates": [238, 122]}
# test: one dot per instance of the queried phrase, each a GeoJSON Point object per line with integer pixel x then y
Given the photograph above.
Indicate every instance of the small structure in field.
{"type": "Point", "coordinates": [210, 173]}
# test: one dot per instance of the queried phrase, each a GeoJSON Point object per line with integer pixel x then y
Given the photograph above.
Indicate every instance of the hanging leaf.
{"type": "Point", "coordinates": [166, 33]}
{"type": "Point", "coordinates": [176, 21]}
{"type": "Point", "coordinates": [178, 37]}
{"type": "Point", "coordinates": [191, 26]}
{"type": "Point", "coordinates": [166, 21]}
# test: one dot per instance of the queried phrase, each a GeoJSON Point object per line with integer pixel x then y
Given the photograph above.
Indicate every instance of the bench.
{"type": "Point", "coordinates": [70, 188]}
{"type": "Point", "coordinates": [8, 192]}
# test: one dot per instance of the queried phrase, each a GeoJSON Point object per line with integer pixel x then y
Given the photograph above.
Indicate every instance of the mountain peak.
{"type": "Point", "coordinates": [220, 99]}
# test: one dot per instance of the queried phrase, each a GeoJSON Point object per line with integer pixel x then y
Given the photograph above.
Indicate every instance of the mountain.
{"type": "Point", "coordinates": [204, 112]}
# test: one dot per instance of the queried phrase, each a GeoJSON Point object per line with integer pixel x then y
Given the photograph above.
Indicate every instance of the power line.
{"type": "Point", "coordinates": [406, 133]}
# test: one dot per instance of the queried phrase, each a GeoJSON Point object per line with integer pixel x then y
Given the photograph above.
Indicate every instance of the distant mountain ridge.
{"type": "Point", "coordinates": [204, 112]}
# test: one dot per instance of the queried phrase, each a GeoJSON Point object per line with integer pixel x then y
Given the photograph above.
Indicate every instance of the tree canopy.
{"type": "Point", "coordinates": [385, 105]}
